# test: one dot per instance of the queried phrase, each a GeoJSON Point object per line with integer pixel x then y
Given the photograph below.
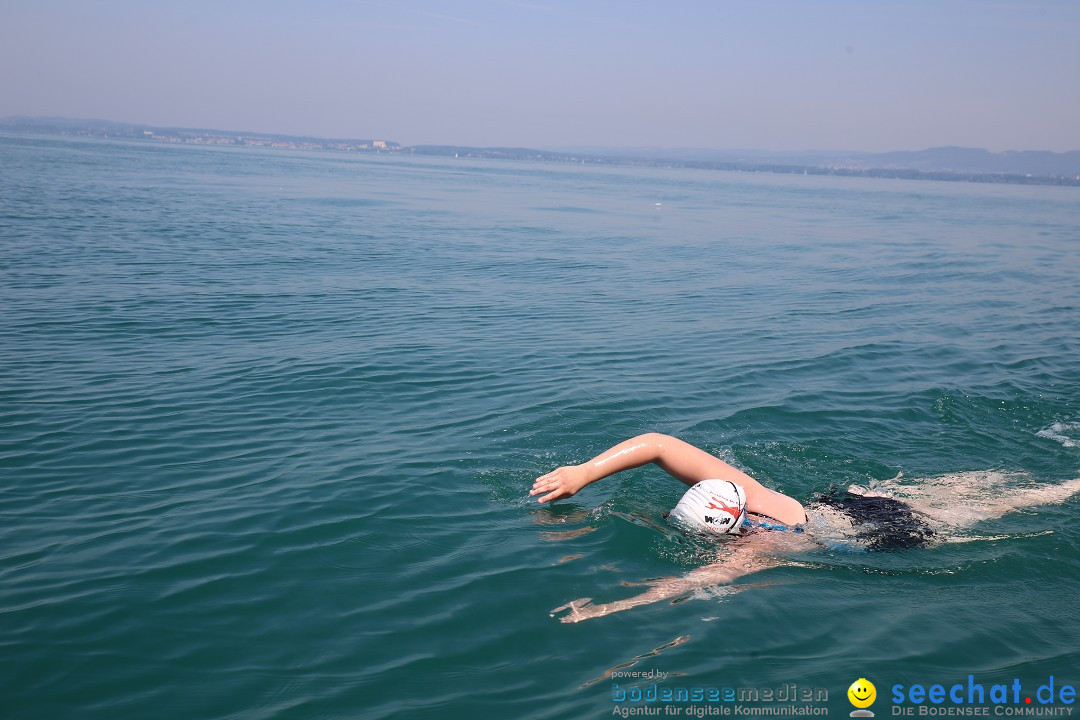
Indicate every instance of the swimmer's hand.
{"type": "Point", "coordinates": [560, 483]}
{"type": "Point", "coordinates": [580, 609]}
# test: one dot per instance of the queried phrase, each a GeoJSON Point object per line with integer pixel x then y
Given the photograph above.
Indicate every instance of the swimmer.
{"type": "Point", "coordinates": [726, 502]}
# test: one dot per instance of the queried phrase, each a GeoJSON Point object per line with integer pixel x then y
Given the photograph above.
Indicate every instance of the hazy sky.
{"type": "Point", "coordinates": [783, 75]}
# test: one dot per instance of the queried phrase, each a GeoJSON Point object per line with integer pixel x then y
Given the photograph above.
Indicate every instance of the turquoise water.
{"type": "Point", "coordinates": [269, 420]}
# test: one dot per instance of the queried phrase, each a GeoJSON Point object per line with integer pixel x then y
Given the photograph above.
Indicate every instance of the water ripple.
{"type": "Point", "coordinates": [268, 422]}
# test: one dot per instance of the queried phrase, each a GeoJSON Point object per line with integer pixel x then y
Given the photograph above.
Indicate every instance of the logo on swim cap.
{"type": "Point", "coordinates": [718, 506]}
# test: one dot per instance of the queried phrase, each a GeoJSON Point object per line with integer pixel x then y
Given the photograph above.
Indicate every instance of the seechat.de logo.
{"type": "Point", "coordinates": [862, 694]}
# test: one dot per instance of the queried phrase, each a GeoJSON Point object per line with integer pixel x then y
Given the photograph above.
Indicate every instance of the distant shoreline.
{"type": "Point", "coordinates": [782, 168]}
{"type": "Point", "coordinates": [941, 164]}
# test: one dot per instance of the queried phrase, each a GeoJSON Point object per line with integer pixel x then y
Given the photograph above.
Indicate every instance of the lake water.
{"type": "Point", "coordinates": [268, 421]}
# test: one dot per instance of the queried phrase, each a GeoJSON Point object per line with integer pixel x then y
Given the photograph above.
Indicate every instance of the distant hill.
{"type": "Point", "coordinates": [943, 159]}
{"type": "Point", "coordinates": [960, 159]}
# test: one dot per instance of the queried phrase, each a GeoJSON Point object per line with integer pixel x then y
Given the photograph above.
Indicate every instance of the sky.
{"type": "Point", "coordinates": [785, 75]}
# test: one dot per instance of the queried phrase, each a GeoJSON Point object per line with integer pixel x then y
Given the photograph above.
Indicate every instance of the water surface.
{"type": "Point", "coordinates": [269, 420]}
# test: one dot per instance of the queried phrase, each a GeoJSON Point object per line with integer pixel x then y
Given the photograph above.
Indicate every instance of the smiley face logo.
{"type": "Point", "coordinates": [862, 693]}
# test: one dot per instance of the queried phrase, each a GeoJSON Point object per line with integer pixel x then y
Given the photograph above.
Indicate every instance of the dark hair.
{"type": "Point", "coordinates": [884, 523]}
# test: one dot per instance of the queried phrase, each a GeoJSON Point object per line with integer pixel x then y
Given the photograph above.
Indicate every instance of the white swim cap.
{"type": "Point", "coordinates": [718, 506]}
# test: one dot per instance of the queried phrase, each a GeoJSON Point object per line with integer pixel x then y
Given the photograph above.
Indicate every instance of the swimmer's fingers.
{"type": "Point", "coordinates": [580, 609]}
{"type": "Point", "coordinates": [556, 494]}
{"type": "Point", "coordinates": [546, 476]}
{"type": "Point", "coordinates": [559, 483]}
{"type": "Point", "coordinates": [554, 484]}
{"type": "Point", "coordinates": [570, 605]}
{"type": "Point", "coordinates": [544, 483]}
{"type": "Point", "coordinates": [555, 491]}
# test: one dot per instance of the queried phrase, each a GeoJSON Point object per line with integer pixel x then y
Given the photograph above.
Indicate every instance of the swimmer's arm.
{"type": "Point", "coordinates": [680, 460]}
{"type": "Point", "coordinates": [750, 557]}
{"type": "Point", "coordinates": [708, 576]}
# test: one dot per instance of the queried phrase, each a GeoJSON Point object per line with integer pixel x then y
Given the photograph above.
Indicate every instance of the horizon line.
{"type": "Point", "coordinates": [579, 147]}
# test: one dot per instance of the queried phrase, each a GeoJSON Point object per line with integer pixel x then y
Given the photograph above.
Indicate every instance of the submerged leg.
{"type": "Point", "coordinates": [962, 499]}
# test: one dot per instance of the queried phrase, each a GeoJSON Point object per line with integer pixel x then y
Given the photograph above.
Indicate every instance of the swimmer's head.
{"type": "Point", "coordinates": [717, 506]}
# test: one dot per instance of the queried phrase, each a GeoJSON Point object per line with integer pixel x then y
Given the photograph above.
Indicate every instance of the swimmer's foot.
{"type": "Point", "coordinates": [873, 490]}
